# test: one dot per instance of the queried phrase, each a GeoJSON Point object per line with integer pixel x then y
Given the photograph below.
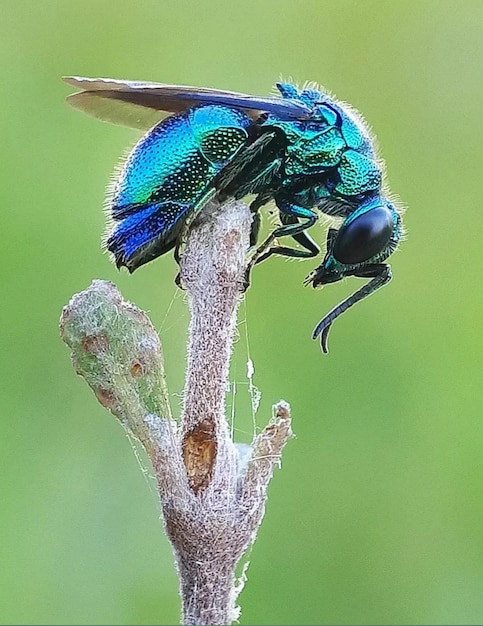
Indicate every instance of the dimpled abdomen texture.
{"type": "Point", "coordinates": [166, 175]}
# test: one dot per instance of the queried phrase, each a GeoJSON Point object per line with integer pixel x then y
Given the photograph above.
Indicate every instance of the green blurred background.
{"type": "Point", "coordinates": [377, 516]}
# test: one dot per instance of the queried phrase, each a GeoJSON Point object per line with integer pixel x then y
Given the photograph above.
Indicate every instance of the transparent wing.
{"type": "Point", "coordinates": [141, 105]}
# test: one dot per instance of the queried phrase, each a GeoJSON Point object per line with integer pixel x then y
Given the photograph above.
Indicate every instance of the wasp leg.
{"type": "Point", "coordinates": [177, 258]}
{"type": "Point", "coordinates": [380, 274]}
{"type": "Point", "coordinates": [315, 274]}
{"type": "Point", "coordinates": [293, 228]}
{"type": "Point", "coordinates": [251, 164]}
{"type": "Point", "coordinates": [183, 235]}
{"type": "Point", "coordinates": [255, 229]}
{"type": "Point", "coordinates": [311, 248]}
{"type": "Point", "coordinates": [254, 232]}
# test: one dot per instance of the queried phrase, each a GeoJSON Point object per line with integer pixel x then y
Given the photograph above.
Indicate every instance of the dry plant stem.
{"type": "Point", "coordinates": [227, 507]}
{"type": "Point", "coordinates": [212, 501]}
{"type": "Point", "coordinates": [212, 270]}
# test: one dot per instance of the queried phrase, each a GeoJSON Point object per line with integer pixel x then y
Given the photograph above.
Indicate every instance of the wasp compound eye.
{"type": "Point", "coordinates": [365, 237]}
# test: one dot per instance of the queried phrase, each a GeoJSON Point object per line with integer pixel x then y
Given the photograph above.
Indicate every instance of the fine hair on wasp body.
{"type": "Point", "coordinates": [303, 150]}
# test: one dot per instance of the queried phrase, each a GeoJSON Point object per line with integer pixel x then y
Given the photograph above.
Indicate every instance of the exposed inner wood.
{"type": "Point", "coordinates": [199, 454]}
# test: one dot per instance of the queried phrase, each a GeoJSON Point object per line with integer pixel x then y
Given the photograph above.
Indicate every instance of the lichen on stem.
{"type": "Point", "coordinates": [212, 503]}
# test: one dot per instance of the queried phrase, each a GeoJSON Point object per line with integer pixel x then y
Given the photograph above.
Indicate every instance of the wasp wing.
{"type": "Point", "coordinates": [141, 104]}
{"type": "Point", "coordinates": [115, 111]}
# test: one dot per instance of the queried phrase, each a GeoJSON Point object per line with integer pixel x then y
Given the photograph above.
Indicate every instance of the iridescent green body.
{"type": "Point", "coordinates": [305, 151]}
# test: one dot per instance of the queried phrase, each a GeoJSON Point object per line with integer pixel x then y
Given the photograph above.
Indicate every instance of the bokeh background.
{"type": "Point", "coordinates": [377, 515]}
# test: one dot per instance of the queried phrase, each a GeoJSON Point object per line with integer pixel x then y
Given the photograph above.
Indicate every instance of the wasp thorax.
{"type": "Point", "coordinates": [364, 237]}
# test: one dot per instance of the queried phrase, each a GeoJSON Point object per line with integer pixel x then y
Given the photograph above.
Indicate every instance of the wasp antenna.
{"type": "Point", "coordinates": [324, 325]}
{"type": "Point", "coordinates": [323, 339]}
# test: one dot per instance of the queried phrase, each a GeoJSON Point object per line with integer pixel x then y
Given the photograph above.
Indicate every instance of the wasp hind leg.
{"type": "Point", "coordinates": [183, 235]}
{"type": "Point", "coordinates": [177, 258]}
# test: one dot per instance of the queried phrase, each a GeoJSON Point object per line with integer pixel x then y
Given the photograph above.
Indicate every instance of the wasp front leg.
{"type": "Point", "coordinates": [290, 216]}
{"type": "Point", "coordinates": [291, 226]}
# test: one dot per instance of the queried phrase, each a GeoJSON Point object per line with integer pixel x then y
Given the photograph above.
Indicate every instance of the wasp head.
{"type": "Point", "coordinates": [367, 237]}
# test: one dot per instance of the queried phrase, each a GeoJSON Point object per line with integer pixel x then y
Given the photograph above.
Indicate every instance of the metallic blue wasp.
{"type": "Point", "coordinates": [303, 150]}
